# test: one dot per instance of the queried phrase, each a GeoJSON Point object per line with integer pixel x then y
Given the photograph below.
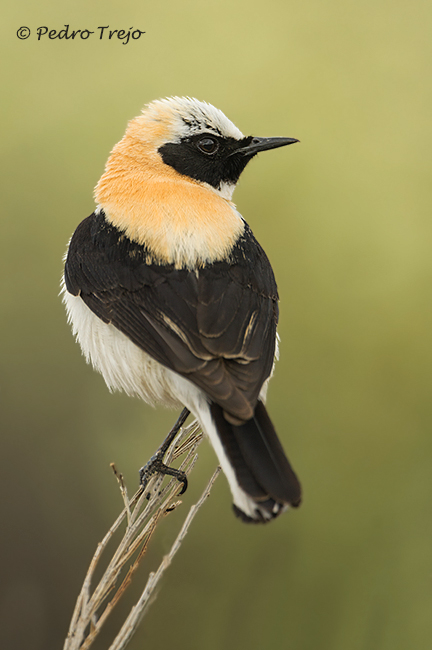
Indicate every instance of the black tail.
{"type": "Point", "coordinates": [265, 483]}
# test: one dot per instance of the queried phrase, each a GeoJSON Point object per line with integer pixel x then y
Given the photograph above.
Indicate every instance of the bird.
{"type": "Point", "coordinates": [173, 300]}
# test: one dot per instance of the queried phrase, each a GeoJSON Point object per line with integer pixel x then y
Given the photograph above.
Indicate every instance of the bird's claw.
{"type": "Point", "coordinates": [155, 464]}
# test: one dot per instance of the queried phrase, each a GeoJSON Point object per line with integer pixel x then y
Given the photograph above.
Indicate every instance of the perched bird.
{"type": "Point", "coordinates": [172, 298]}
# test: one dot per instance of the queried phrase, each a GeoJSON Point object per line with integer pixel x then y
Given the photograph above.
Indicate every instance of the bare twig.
{"type": "Point", "coordinates": [142, 512]}
{"type": "Point", "coordinates": [133, 620]}
{"type": "Point", "coordinates": [123, 490]}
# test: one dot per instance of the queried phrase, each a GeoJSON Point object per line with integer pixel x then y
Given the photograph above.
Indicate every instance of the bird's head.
{"type": "Point", "coordinates": [171, 178]}
{"type": "Point", "coordinates": [196, 140]}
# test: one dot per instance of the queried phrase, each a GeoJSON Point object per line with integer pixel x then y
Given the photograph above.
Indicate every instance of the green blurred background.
{"type": "Point", "coordinates": [345, 219]}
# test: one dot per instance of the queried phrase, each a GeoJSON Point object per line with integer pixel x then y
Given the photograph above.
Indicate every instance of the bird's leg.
{"type": "Point", "coordinates": [156, 464]}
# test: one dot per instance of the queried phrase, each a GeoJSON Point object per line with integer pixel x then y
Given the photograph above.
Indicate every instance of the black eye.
{"type": "Point", "coordinates": [208, 145]}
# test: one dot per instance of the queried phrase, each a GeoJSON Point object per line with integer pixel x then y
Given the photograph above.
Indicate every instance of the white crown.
{"type": "Point", "coordinates": [190, 116]}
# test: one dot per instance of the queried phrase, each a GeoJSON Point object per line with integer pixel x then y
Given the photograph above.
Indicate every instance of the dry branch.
{"type": "Point", "coordinates": [142, 513]}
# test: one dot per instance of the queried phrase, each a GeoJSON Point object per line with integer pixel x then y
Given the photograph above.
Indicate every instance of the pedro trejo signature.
{"type": "Point", "coordinates": [102, 32]}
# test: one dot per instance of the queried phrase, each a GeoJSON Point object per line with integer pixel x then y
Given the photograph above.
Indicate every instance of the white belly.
{"type": "Point", "coordinates": [123, 365]}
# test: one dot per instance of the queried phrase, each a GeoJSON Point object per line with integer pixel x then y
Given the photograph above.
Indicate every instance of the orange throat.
{"type": "Point", "coordinates": [179, 220]}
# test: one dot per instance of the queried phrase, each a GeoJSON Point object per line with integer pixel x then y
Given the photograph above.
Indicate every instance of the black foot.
{"type": "Point", "coordinates": [156, 463]}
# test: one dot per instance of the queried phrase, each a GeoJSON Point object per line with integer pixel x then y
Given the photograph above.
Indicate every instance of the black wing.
{"type": "Point", "coordinates": [216, 326]}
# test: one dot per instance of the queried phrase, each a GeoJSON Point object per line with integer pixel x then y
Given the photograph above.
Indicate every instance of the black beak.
{"type": "Point", "coordinates": [262, 144]}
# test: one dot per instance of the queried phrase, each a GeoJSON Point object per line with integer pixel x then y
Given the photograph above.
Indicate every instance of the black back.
{"type": "Point", "coordinates": [215, 325]}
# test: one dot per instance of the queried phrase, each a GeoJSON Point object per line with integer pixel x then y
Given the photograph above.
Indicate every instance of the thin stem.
{"type": "Point", "coordinates": [143, 513]}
